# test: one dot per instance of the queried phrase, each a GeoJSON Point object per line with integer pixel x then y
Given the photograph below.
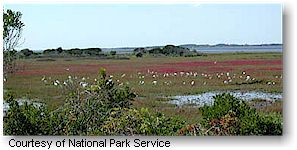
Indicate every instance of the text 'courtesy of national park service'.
{"type": "Point", "coordinates": [72, 143]}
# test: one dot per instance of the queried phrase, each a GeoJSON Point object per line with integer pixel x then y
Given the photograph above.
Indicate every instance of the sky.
{"type": "Point", "coordinates": [137, 25]}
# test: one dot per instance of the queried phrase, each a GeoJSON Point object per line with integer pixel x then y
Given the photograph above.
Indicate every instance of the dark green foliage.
{"type": "Point", "coordinates": [52, 51]}
{"type": "Point", "coordinates": [12, 27]}
{"type": "Point", "coordinates": [139, 54]}
{"type": "Point", "coordinates": [113, 53]}
{"type": "Point", "coordinates": [25, 119]}
{"type": "Point", "coordinates": [140, 122]}
{"type": "Point", "coordinates": [156, 51]}
{"type": "Point", "coordinates": [141, 50]}
{"type": "Point", "coordinates": [86, 110]}
{"type": "Point", "coordinates": [168, 50]}
{"type": "Point", "coordinates": [26, 52]}
{"type": "Point", "coordinates": [73, 52]}
{"type": "Point", "coordinates": [271, 124]}
{"type": "Point", "coordinates": [231, 116]}
{"type": "Point", "coordinates": [91, 51]}
{"type": "Point", "coordinates": [59, 50]}
{"type": "Point", "coordinates": [12, 32]}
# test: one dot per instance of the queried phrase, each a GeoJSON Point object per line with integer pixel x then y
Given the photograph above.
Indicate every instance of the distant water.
{"type": "Point", "coordinates": [226, 49]}
{"type": "Point", "coordinates": [207, 98]}
{"type": "Point", "coordinates": [21, 102]}
{"type": "Point", "coordinates": [215, 49]}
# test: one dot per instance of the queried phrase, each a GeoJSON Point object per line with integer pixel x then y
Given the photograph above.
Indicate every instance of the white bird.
{"type": "Point", "coordinates": [248, 77]}
{"type": "Point", "coordinates": [195, 74]}
{"type": "Point", "coordinates": [57, 81]}
{"type": "Point", "coordinates": [243, 73]}
{"type": "Point", "coordinates": [141, 82]}
{"type": "Point", "coordinates": [123, 75]}
{"type": "Point", "coordinates": [84, 84]}
{"type": "Point", "coordinates": [225, 82]}
{"type": "Point", "coordinates": [43, 78]}
{"type": "Point", "coordinates": [193, 82]}
{"type": "Point", "coordinates": [228, 74]}
{"type": "Point", "coordinates": [154, 82]}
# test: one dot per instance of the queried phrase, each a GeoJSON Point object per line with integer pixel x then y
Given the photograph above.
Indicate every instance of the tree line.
{"type": "Point", "coordinates": [168, 50]}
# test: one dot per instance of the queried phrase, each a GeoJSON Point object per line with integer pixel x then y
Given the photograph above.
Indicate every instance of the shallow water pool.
{"type": "Point", "coordinates": [207, 98]}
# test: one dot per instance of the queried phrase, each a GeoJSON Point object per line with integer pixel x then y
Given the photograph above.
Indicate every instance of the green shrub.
{"type": "Point", "coordinates": [140, 122]}
{"type": "Point", "coordinates": [231, 116]}
{"type": "Point", "coordinates": [85, 110]}
{"type": "Point", "coordinates": [25, 119]}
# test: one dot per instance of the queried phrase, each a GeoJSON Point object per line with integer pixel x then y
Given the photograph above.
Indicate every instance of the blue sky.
{"type": "Point", "coordinates": [123, 25]}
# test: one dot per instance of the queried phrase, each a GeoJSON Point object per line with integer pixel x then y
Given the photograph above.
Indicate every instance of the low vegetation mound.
{"type": "Point", "coordinates": [168, 50]}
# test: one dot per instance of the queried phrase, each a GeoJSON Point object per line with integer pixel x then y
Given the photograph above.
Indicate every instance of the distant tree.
{"type": "Point", "coordinates": [156, 51]}
{"type": "Point", "coordinates": [113, 53]}
{"type": "Point", "coordinates": [59, 50]}
{"type": "Point", "coordinates": [26, 52]}
{"type": "Point", "coordinates": [181, 53]}
{"type": "Point", "coordinates": [142, 50]}
{"type": "Point", "coordinates": [12, 31]}
{"type": "Point", "coordinates": [92, 51]}
{"type": "Point", "coordinates": [139, 54]}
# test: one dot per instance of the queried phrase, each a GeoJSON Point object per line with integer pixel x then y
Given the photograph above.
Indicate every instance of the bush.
{"type": "Point", "coordinates": [113, 53]}
{"type": "Point", "coordinates": [86, 109]}
{"type": "Point", "coordinates": [139, 54]}
{"type": "Point", "coordinates": [26, 52]}
{"type": "Point", "coordinates": [140, 122]}
{"type": "Point", "coordinates": [231, 116]}
{"type": "Point", "coordinates": [25, 119]}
